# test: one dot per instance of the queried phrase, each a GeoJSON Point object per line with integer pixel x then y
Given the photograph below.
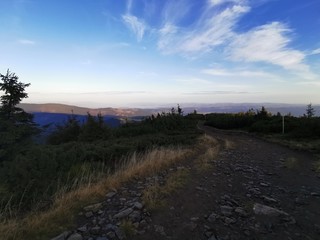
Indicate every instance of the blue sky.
{"type": "Point", "coordinates": [102, 53]}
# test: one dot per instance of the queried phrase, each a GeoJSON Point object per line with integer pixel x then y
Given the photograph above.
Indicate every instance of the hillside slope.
{"type": "Point", "coordinates": [251, 189]}
{"type": "Point", "coordinates": [68, 109]}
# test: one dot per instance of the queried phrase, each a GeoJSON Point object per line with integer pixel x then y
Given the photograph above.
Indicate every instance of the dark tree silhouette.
{"type": "Point", "coordinates": [310, 111]}
{"type": "Point", "coordinates": [16, 126]}
{"type": "Point", "coordinates": [14, 92]}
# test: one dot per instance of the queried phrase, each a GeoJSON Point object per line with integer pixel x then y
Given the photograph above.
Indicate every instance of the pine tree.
{"type": "Point", "coordinates": [16, 126]}
{"type": "Point", "coordinates": [310, 111]}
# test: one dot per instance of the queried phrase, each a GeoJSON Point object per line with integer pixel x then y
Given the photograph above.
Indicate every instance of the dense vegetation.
{"type": "Point", "coordinates": [31, 173]}
{"type": "Point", "coordinates": [261, 121]}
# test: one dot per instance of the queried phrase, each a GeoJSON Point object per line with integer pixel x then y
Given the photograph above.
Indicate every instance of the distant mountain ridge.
{"type": "Point", "coordinates": [69, 109]}
{"type": "Point", "coordinates": [284, 109]}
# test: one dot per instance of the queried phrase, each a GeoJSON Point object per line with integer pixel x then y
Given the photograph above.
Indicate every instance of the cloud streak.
{"type": "Point", "coordinates": [268, 43]}
{"type": "Point", "coordinates": [237, 73]}
{"type": "Point", "coordinates": [136, 25]}
{"type": "Point", "coordinates": [26, 42]}
{"type": "Point", "coordinates": [316, 51]}
{"type": "Point", "coordinates": [219, 92]}
{"type": "Point", "coordinates": [210, 31]}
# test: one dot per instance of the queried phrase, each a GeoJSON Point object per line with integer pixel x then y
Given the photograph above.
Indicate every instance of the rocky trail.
{"type": "Point", "coordinates": [251, 189]}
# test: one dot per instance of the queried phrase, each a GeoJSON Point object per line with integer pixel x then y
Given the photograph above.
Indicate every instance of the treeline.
{"type": "Point", "coordinates": [262, 121]}
{"type": "Point", "coordinates": [32, 173]}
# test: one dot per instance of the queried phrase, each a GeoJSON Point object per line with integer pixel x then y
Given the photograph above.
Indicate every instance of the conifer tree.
{"type": "Point", "coordinates": [310, 111]}
{"type": "Point", "coordinates": [16, 126]}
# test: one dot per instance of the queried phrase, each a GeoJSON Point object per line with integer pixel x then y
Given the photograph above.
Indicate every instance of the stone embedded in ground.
{"type": "Point", "coordinates": [75, 236]}
{"type": "Point", "coordinates": [123, 213]}
{"type": "Point", "coordinates": [229, 221]}
{"type": "Point", "coordinates": [95, 230]}
{"type": "Point", "coordinates": [260, 209]}
{"type": "Point", "coordinates": [241, 212]}
{"type": "Point", "coordinates": [120, 234]}
{"type": "Point", "coordinates": [88, 214]}
{"type": "Point", "coordinates": [226, 210]}
{"type": "Point", "coordinates": [135, 216]}
{"type": "Point", "coordinates": [315, 194]}
{"type": "Point", "coordinates": [213, 217]}
{"type": "Point", "coordinates": [62, 236]}
{"type": "Point", "coordinates": [82, 229]}
{"type": "Point", "coordinates": [102, 238]}
{"type": "Point", "coordinates": [138, 205]}
{"type": "Point", "coordinates": [159, 229]}
{"type": "Point", "coordinates": [94, 207]}
{"type": "Point", "coordinates": [269, 199]}
{"type": "Point", "coordinates": [212, 238]}
{"type": "Point", "coordinates": [111, 235]}
{"type": "Point", "coordinates": [264, 184]}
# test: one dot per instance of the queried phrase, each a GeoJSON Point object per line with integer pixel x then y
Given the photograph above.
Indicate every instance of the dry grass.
{"type": "Point", "coordinates": [43, 225]}
{"type": "Point", "coordinates": [203, 162]}
{"type": "Point", "coordinates": [126, 226]}
{"type": "Point", "coordinates": [229, 144]}
{"type": "Point", "coordinates": [154, 196]}
{"type": "Point", "coordinates": [316, 165]}
{"type": "Point", "coordinates": [291, 163]}
{"type": "Point", "coordinates": [67, 204]}
{"type": "Point", "coordinates": [311, 145]}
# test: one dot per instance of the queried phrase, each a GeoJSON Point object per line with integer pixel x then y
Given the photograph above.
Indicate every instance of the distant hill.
{"type": "Point", "coordinates": [293, 109]}
{"type": "Point", "coordinates": [68, 109]}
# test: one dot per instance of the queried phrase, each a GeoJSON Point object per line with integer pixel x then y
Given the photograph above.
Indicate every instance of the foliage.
{"type": "Point", "coordinates": [264, 122]}
{"type": "Point", "coordinates": [16, 126]}
{"type": "Point", "coordinates": [14, 92]}
{"type": "Point", "coordinates": [33, 176]}
{"type": "Point", "coordinates": [310, 111]}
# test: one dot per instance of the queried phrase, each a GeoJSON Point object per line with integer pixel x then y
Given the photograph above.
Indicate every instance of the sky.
{"type": "Point", "coordinates": [142, 53]}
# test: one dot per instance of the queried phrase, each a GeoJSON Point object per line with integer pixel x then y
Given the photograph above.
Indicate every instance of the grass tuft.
{"type": "Point", "coordinates": [155, 195]}
{"type": "Point", "coordinates": [291, 163]}
{"type": "Point", "coordinates": [126, 226]}
{"type": "Point", "coordinates": [204, 161]}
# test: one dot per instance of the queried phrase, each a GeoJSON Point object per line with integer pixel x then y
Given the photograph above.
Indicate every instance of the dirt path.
{"type": "Point", "coordinates": [254, 190]}
{"type": "Point", "coordinates": [251, 189]}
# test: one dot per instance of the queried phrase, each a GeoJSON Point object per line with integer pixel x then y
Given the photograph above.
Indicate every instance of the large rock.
{"type": "Point", "coordinates": [269, 215]}
{"type": "Point", "coordinates": [260, 209]}
{"type": "Point", "coordinates": [123, 213]}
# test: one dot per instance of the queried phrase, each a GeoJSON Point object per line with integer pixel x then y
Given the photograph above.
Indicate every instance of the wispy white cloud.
{"type": "Point", "coordinates": [176, 10]}
{"type": "Point", "coordinates": [309, 83]}
{"type": "Point", "coordinates": [113, 93]}
{"type": "Point", "coordinates": [237, 73]}
{"type": "Point", "coordinates": [270, 44]}
{"type": "Point", "coordinates": [210, 31]}
{"type": "Point", "coordinates": [209, 93]}
{"type": "Point", "coordinates": [129, 6]}
{"type": "Point", "coordinates": [136, 25]}
{"type": "Point", "coordinates": [26, 42]}
{"type": "Point", "coordinates": [316, 51]}
{"type": "Point", "coordinates": [197, 82]}
{"type": "Point", "coordinates": [219, 2]}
